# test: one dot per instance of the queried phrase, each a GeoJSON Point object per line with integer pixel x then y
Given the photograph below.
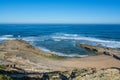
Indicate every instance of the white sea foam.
{"type": "Point", "coordinates": [36, 38]}
{"type": "Point", "coordinates": [7, 37]}
{"type": "Point", "coordinates": [61, 54]}
{"type": "Point", "coordinates": [106, 43]}
{"type": "Point", "coordinates": [63, 36]}
{"type": "Point", "coordinates": [29, 38]}
{"type": "Point", "coordinates": [75, 37]}
{"type": "Point", "coordinates": [32, 39]}
{"type": "Point", "coordinates": [56, 39]}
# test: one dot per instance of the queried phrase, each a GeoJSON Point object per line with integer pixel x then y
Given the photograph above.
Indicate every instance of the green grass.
{"type": "Point", "coordinates": [5, 77]}
{"type": "Point", "coordinates": [2, 67]}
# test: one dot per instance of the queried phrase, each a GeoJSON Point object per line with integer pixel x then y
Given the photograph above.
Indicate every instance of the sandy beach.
{"type": "Point", "coordinates": [99, 61]}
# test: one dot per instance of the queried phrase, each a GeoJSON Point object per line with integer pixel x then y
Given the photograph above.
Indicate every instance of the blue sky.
{"type": "Point", "coordinates": [60, 11]}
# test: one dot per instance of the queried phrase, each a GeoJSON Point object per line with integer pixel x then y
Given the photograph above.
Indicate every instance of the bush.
{"type": "Point", "coordinates": [5, 77]}
{"type": "Point", "coordinates": [2, 67]}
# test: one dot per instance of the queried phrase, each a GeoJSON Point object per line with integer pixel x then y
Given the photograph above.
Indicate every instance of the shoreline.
{"type": "Point", "coordinates": [101, 50]}
{"type": "Point", "coordinates": [61, 54]}
{"type": "Point", "coordinates": [36, 58]}
{"type": "Point", "coordinates": [115, 52]}
{"type": "Point", "coordinates": [22, 60]}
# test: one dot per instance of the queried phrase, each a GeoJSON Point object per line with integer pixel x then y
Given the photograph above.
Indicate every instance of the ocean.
{"type": "Point", "coordinates": [61, 39]}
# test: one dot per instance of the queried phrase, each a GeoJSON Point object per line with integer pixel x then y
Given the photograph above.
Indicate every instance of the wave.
{"type": "Point", "coordinates": [89, 40]}
{"type": "Point", "coordinates": [75, 37]}
{"type": "Point", "coordinates": [31, 39]}
{"type": "Point", "coordinates": [59, 37]}
{"type": "Point", "coordinates": [71, 37]}
{"type": "Point", "coordinates": [61, 54]}
{"type": "Point", "coordinates": [7, 37]}
{"type": "Point", "coordinates": [36, 38]}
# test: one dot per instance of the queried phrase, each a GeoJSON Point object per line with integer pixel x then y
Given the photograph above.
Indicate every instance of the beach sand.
{"type": "Point", "coordinates": [98, 61]}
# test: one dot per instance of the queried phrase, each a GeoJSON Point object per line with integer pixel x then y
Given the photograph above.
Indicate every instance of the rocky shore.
{"type": "Point", "coordinates": [101, 50]}
{"type": "Point", "coordinates": [19, 60]}
{"type": "Point", "coordinates": [76, 74]}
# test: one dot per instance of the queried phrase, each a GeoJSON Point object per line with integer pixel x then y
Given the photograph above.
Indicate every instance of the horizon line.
{"type": "Point", "coordinates": [63, 23]}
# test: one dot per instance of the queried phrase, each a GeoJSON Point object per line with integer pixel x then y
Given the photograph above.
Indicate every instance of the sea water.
{"type": "Point", "coordinates": [61, 39]}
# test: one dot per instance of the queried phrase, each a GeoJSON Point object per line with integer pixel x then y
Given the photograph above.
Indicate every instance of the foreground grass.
{"type": "Point", "coordinates": [5, 77]}
{"type": "Point", "coordinates": [2, 67]}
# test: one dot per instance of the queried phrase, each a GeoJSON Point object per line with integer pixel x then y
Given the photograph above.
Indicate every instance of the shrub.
{"type": "Point", "coordinates": [2, 67]}
{"type": "Point", "coordinates": [5, 77]}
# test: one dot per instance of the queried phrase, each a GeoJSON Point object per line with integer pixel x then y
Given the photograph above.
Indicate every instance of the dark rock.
{"type": "Point", "coordinates": [107, 51]}
{"type": "Point", "coordinates": [116, 56]}
{"type": "Point", "coordinates": [63, 77]}
{"type": "Point", "coordinates": [73, 75]}
{"type": "Point", "coordinates": [45, 77]}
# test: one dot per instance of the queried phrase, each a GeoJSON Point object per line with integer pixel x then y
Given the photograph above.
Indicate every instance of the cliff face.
{"type": "Point", "coordinates": [101, 50]}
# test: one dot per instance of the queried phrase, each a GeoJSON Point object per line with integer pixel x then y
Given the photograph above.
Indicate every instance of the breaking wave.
{"type": "Point", "coordinates": [61, 54]}
{"type": "Point", "coordinates": [61, 37]}
{"type": "Point", "coordinates": [89, 40]}
{"type": "Point", "coordinates": [72, 37]}
{"type": "Point", "coordinates": [7, 37]}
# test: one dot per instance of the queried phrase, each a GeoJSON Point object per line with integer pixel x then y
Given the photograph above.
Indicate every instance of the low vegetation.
{"type": "Point", "coordinates": [5, 77]}
{"type": "Point", "coordinates": [3, 67]}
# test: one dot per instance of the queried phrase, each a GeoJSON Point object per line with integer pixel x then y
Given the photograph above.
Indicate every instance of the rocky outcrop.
{"type": "Point", "coordinates": [102, 74]}
{"type": "Point", "coordinates": [101, 50]}
{"type": "Point", "coordinates": [76, 74]}
{"type": "Point", "coordinates": [85, 74]}
{"type": "Point", "coordinates": [27, 57]}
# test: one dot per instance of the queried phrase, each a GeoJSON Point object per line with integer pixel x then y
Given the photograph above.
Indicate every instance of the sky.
{"type": "Point", "coordinates": [60, 11]}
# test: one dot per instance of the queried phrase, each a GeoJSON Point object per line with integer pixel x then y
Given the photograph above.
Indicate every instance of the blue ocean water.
{"type": "Point", "coordinates": [61, 38]}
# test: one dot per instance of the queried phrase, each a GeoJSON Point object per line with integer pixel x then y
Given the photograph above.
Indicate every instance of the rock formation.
{"type": "Point", "coordinates": [27, 57]}
{"type": "Point", "coordinates": [101, 50]}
